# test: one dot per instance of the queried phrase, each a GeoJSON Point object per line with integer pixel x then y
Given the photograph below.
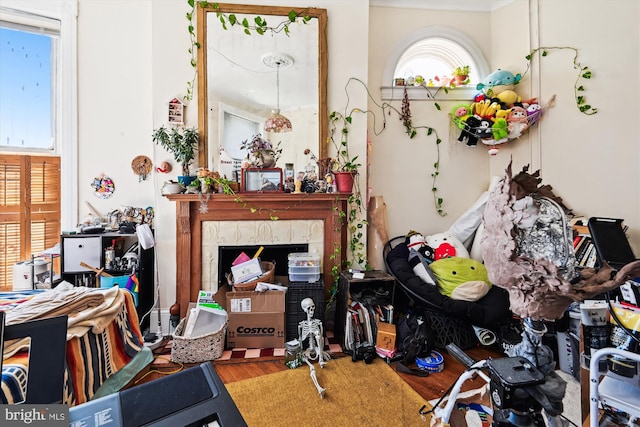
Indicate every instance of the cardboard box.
{"type": "Point", "coordinates": [256, 319]}
{"type": "Point", "coordinates": [386, 337]}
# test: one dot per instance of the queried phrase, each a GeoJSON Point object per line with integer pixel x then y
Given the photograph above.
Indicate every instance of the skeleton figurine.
{"type": "Point", "coordinates": [312, 329]}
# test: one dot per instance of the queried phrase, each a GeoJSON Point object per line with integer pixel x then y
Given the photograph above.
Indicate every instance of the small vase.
{"type": "Point", "coordinates": [186, 179]}
{"type": "Point", "coordinates": [264, 159]}
{"type": "Point", "coordinates": [344, 181]}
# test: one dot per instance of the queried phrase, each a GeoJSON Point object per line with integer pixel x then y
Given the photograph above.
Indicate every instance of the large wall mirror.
{"type": "Point", "coordinates": [242, 78]}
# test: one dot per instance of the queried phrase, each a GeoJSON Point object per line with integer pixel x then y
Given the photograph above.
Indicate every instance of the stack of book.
{"type": "Point", "coordinates": [586, 255]}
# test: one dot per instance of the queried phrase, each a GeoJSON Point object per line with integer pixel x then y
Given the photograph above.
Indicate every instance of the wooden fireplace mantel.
{"type": "Point", "coordinates": [328, 207]}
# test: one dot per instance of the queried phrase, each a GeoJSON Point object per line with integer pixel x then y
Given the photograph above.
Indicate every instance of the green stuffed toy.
{"type": "Point", "coordinates": [461, 278]}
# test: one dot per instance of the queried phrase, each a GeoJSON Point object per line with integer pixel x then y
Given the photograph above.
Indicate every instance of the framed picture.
{"type": "Point", "coordinates": [262, 179]}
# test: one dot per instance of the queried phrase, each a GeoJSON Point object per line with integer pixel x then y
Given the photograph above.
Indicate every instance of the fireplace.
{"type": "Point", "coordinates": [253, 219]}
{"type": "Point", "coordinates": [278, 254]}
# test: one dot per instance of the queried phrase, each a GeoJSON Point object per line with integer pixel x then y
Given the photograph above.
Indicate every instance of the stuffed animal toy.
{"type": "Point", "coordinates": [500, 131]}
{"type": "Point", "coordinates": [517, 122]}
{"type": "Point", "coordinates": [420, 266]}
{"type": "Point", "coordinates": [446, 245]}
{"type": "Point", "coordinates": [416, 242]}
{"type": "Point", "coordinates": [460, 113]}
{"type": "Point", "coordinates": [475, 129]}
{"type": "Point", "coordinates": [497, 82]}
{"type": "Point", "coordinates": [461, 278]}
{"type": "Point", "coordinates": [420, 255]}
{"type": "Point", "coordinates": [534, 111]}
{"type": "Point", "coordinates": [508, 97]}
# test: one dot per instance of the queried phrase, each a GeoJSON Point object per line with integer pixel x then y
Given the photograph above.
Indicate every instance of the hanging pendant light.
{"type": "Point", "coordinates": [276, 122]}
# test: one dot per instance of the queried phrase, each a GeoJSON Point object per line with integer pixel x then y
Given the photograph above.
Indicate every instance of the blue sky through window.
{"type": "Point", "coordinates": [25, 89]}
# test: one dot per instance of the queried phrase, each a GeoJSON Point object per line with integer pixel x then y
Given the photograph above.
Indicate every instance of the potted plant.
{"type": "Point", "coordinates": [182, 143]}
{"type": "Point", "coordinates": [261, 153]}
{"type": "Point", "coordinates": [460, 76]}
{"type": "Point", "coordinates": [345, 166]}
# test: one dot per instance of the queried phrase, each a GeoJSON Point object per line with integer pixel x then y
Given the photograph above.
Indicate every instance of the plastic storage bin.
{"type": "Point", "coordinates": [304, 267]}
{"type": "Point", "coordinates": [296, 292]}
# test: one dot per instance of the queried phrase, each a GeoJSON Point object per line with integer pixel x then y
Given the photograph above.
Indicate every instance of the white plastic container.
{"type": "Point", "coordinates": [304, 267]}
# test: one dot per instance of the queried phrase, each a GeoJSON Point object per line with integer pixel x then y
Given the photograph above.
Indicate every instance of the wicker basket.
{"type": "Point", "coordinates": [267, 277]}
{"type": "Point", "coordinates": [197, 349]}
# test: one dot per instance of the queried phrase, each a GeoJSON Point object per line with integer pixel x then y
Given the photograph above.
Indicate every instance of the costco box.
{"type": "Point", "coordinates": [256, 319]}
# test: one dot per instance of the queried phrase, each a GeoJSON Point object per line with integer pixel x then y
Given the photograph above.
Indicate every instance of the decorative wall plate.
{"type": "Point", "coordinates": [103, 186]}
{"type": "Point", "coordinates": [141, 166]}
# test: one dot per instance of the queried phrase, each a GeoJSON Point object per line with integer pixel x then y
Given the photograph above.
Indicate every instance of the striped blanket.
{"type": "Point", "coordinates": [103, 332]}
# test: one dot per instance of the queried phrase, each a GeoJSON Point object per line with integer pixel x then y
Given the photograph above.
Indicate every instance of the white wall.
{"type": "Point", "coordinates": [591, 162]}
{"type": "Point", "coordinates": [132, 58]}
{"type": "Point", "coordinates": [401, 168]}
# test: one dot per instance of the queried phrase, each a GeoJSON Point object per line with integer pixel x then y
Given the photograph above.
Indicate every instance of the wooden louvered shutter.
{"type": "Point", "coordinates": [29, 209]}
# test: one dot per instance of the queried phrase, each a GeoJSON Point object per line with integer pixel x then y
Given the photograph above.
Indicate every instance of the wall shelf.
{"type": "Point", "coordinates": [421, 93]}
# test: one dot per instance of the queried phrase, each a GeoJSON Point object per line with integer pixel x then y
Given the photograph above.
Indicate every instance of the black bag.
{"type": "Point", "coordinates": [415, 339]}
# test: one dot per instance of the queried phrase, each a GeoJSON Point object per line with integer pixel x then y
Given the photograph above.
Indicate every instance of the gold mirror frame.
{"type": "Point", "coordinates": [203, 102]}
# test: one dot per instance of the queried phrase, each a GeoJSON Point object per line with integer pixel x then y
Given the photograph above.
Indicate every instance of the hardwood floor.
{"type": "Point", "coordinates": [432, 387]}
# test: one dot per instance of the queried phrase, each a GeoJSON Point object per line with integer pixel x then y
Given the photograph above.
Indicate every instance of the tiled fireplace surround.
{"type": "Point", "coordinates": [247, 219]}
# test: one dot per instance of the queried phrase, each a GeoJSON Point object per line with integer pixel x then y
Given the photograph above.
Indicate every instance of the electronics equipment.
{"type": "Point", "coordinates": [610, 241]}
{"type": "Point", "coordinates": [365, 351]}
{"type": "Point", "coordinates": [194, 397]}
{"type": "Point", "coordinates": [511, 382]}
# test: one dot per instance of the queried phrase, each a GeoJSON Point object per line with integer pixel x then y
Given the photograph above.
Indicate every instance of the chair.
{"type": "Point", "coordinates": [452, 320]}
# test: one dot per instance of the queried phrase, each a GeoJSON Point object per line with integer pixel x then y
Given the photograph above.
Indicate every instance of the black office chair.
{"type": "Point", "coordinates": [452, 320]}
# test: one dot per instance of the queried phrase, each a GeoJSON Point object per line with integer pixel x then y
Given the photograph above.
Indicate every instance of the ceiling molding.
{"type": "Point", "coordinates": [456, 5]}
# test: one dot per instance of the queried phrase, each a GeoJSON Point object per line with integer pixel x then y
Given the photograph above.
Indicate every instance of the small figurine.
{"type": "Point", "coordinates": [312, 329]}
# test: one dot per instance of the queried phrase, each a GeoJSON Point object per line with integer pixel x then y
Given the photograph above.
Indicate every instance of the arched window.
{"type": "Point", "coordinates": [433, 53]}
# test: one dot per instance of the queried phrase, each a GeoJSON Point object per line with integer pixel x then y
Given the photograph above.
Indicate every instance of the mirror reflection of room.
{"type": "Point", "coordinates": [250, 78]}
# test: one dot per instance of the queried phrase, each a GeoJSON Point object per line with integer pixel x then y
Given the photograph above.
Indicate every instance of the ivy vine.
{"type": "Point", "coordinates": [583, 73]}
{"type": "Point", "coordinates": [228, 20]}
{"type": "Point", "coordinates": [344, 120]}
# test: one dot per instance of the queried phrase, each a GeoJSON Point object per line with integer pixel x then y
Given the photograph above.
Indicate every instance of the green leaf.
{"type": "Point", "coordinates": [580, 88]}
{"type": "Point", "coordinates": [580, 99]}
{"type": "Point", "coordinates": [253, 210]}
{"type": "Point", "coordinates": [348, 119]}
{"type": "Point", "coordinates": [438, 141]}
{"type": "Point", "coordinates": [245, 22]}
{"type": "Point", "coordinates": [434, 189]}
{"type": "Point", "coordinates": [429, 131]}
{"type": "Point", "coordinates": [528, 57]}
{"type": "Point", "coordinates": [247, 32]}
{"type": "Point", "coordinates": [260, 31]}
{"type": "Point", "coordinates": [587, 75]}
{"type": "Point", "coordinates": [437, 106]}
{"type": "Point", "coordinates": [292, 16]}
{"type": "Point", "coordinates": [440, 201]}
{"type": "Point", "coordinates": [544, 53]}
{"type": "Point", "coordinates": [190, 3]}
{"type": "Point", "coordinates": [413, 133]}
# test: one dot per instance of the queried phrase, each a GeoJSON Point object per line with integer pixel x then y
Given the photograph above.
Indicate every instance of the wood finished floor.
{"type": "Point", "coordinates": [432, 387]}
